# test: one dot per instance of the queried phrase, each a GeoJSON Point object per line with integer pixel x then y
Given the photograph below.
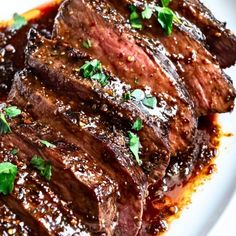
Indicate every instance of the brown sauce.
{"type": "Point", "coordinates": [186, 171]}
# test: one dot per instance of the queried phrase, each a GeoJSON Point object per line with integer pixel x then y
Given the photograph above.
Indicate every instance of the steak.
{"type": "Point", "coordinates": [11, 224]}
{"type": "Point", "coordinates": [83, 130]}
{"type": "Point", "coordinates": [209, 88]}
{"type": "Point", "coordinates": [33, 200]}
{"type": "Point", "coordinates": [129, 57]}
{"type": "Point", "coordinates": [221, 41]}
{"type": "Point", "coordinates": [109, 99]}
{"type": "Point", "coordinates": [88, 187]}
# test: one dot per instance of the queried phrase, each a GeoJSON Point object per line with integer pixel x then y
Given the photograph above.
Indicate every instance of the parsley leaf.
{"type": "Point", "coordinates": [44, 167]}
{"type": "Point", "coordinates": [12, 111]}
{"type": "Point", "coordinates": [90, 68]}
{"type": "Point", "coordinates": [8, 174]}
{"type": "Point", "coordinates": [165, 3]}
{"type": "Point", "coordinates": [150, 102]}
{"type": "Point", "coordinates": [134, 18]}
{"type": "Point", "coordinates": [147, 13]}
{"type": "Point", "coordinates": [18, 22]}
{"type": "Point", "coordinates": [14, 151]}
{"type": "Point", "coordinates": [47, 144]}
{"type": "Point", "coordinates": [93, 70]}
{"type": "Point", "coordinates": [166, 18]}
{"type": "Point", "coordinates": [134, 145]}
{"type": "Point", "coordinates": [4, 126]}
{"type": "Point", "coordinates": [126, 96]}
{"type": "Point", "coordinates": [137, 125]}
{"type": "Point", "coordinates": [87, 43]}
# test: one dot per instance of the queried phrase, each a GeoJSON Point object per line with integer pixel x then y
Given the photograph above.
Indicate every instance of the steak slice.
{"type": "Point", "coordinates": [61, 76]}
{"type": "Point", "coordinates": [101, 140]}
{"type": "Point", "coordinates": [129, 57]}
{"type": "Point", "coordinates": [221, 41]}
{"type": "Point", "coordinates": [33, 200]}
{"type": "Point", "coordinates": [10, 224]}
{"type": "Point", "coordinates": [209, 88]}
{"type": "Point", "coordinates": [92, 193]}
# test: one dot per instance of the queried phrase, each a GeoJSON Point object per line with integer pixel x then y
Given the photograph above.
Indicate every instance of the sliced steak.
{"type": "Point", "coordinates": [10, 224]}
{"type": "Point", "coordinates": [209, 88]}
{"type": "Point", "coordinates": [61, 76]}
{"type": "Point", "coordinates": [221, 41]}
{"type": "Point", "coordinates": [130, 57]}
{"type": "Point", "coordinates": [34, 201]}
{"type": "Point", "coordinates": [102, 141]}
{"type": "Point", "coordinates": [92, 193]}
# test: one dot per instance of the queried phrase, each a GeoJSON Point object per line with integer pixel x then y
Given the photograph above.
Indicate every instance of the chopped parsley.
{"type": "Point", "coordinates": [134, 18]}
{"type": "Point", "coordinates": [87, 43]}
{"type": "Point", "coordinates": [8, 173]}
{"type": "Point", "coordinates": [137, 126]}
{"type": "Point", "coordinates": [18, 22]}
{"type": "Point", "coordinates": [126, 96]}
{"type": "Point", "coordinates": [4, 126]}
{"type": "Point", "coordinates": [14, 151]}
{"type": "Point", "coordinates": [150, 102]}
{"type": "Point", "coordinates": [93, 70]}
{"type": "Point", "coordinates": [42, 166]}
{"type": "Point", "coordinates": [47, 144]}
{"type": "Point", "coordinates": [134, 146]}
{"type": "Point", "coordinates": [165, 16]}
{"type": "Point", "coordinates": [12, 111]}
{"type": "Point", "coordinates": [165, 3]}
{"type": "Point", "coordinates": [147, 13]}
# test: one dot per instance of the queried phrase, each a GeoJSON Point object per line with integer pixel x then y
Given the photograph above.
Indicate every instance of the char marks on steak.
{"type": "Point", "coordinates": [130, 57]}
{"type": "Point", "coordinates": [209, 88]}
{"type": "Point", "coordinates": [221, 41]}
{"type": "Point", "coordinates": [61, 76]}
{"type": "Point", "coordinates": [33, 200]}
{"type": "Point", "coordinates": [98, 138]}
{"type": "Point", "coordinates": [88, 187]}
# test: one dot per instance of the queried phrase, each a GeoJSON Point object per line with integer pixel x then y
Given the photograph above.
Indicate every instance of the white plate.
{"type": "Point", "coordinates": [213, 208]}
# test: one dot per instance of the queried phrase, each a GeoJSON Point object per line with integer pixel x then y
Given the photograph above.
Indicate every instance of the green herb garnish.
{"type": "Point", "coordinates": [18, 22]}
{"type": "Point", "coordinates": [134, 145]}
{"type": "Point", "coordinates": [137, 126]}
{"type": "Point", "coordinates": [93, 70]}
{"type": "Point", "coordinates": [147, 13]}
{"type": "Point", "coordinates": [44, 167]}
{"type": "Point", "coordinates": [14, 151]}
{"type": "Point", "coordinates": [87, 43]}
{"type": "Point", "coordinates": [12, 111]}
{"type": "Point", "coordinates": [8, 174]}
{"type": "Point", "coordinates": [4, 126]}
{"type": "Point", "coordinates": [165, 3]}
{"type": "Point", "coordinates": [126, 96]}
{"type": "Point", "coordinates": [47, 144]}
{"type": "Point", "coordinates": [150, 102]}
{"type": "Point", "coordinates": [134, 18]}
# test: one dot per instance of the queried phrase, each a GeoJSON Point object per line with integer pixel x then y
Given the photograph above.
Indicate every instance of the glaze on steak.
{"type": "Point", "coordinates": [220, 40]}
{"type": "Point", "coordinates": [62, 76]}
{"type": "Point", "coordinates": [108, 144]}
{"type": "Point", "coordinates": [103, 182]}
{"type": "Point", "coordinates": [209, 88]}
{"type": "Point", "coordinates": [130, 57]}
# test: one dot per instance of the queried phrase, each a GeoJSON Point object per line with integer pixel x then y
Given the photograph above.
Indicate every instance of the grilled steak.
{"type": "Point", "coordinates": [221, 41]}
{"type": "Point", "coordinates": [11, 224]}
{"type": "Point", "coordinates": [109, 99]}
{"type": "Point", "coordinates": [130, 57]}
{"type": "Point", "coordinates": [88, 187]}
{"type": "Point", "coordinates": [33, 200]}
{"type": "Point", "coordinates": [108, 144]}
{"type": "Point", "coordinates": [209, 88]}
